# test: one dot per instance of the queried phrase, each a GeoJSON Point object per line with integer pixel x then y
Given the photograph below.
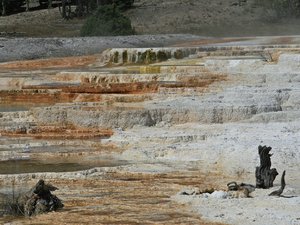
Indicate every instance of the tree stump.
{"type": "Point", "coordinates": [39, 200]}
{"type": "Point", "coordinates": [265, 176]}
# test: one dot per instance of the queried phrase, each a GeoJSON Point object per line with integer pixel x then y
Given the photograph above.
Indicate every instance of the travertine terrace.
{"type": "Point", "coordinates": [133, 126]}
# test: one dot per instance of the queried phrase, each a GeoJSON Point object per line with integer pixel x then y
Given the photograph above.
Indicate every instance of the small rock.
{"type": "Point", "coordinates": [219, 194]}
{"type": "Point", "coordinates": [206, 195]}
{"type": "Point", "coordinates": [190, 191]}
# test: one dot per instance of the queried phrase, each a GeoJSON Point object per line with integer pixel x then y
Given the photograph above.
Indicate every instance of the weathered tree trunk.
{"type": "Point", "coordinates": [265, 176]}
{"type": "Point", "coordinates": [49, 4]}
{"type": "Point", "coordinates": [88, 7]}
{"type": "Point", "coordinates": [64, 11]}
{"type": "Point", "coordinates": [27, 5]}
{"type": "Point", "coordinates": [3, 7]}
{"type": "Point", "coordinates": [79, 8]}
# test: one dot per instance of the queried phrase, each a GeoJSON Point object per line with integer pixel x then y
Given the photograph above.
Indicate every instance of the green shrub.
{"type": "Point", "coordinates": [107, 21]}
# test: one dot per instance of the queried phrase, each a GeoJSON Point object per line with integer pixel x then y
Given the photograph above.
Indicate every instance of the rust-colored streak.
{"type": "Point", "coordinates": [126, 198]}
{"type": "Point", "coordinates": [117, 88]}
{"type": "Point", "coordinates": [66, 93]}
{"type": "Point", "coordinates": [58, 132]}
{"type": "Point", "coordinates": [110, 88]}
{"type": "Point", "coordinates": [51, 94]}
{"type": "Point", "coordinates": [66, 62]}
{"type": "Point", "coordinates": [136, 87]}
{"type": "Point", "coordinates": [194, 82]}
{"type": "Point", "coordinates": [283, 40]}
{"type": "Point", "coordinates": [36, 96]}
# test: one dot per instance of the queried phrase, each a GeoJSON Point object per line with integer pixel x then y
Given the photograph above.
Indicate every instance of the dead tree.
{"type": "Point", "coordinates": [81, 6]}
{"type": "Point", "coordinates": [3, 4]}
{"type": "Point", "coordinates": [265, 176]}
{"type": "Point", "coordinates": [27, 5]}
{"type": "Point", "coordinates": [49, 4]}
{"type": "Point", "coordinates": [64, 11]}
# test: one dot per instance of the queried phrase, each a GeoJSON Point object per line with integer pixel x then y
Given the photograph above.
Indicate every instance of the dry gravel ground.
{"type": "Point", "coordinates": [208, 18]}
{"type": "Point", "coordinates": [35, 48]}
{"type": "Point", "coordinates": [40, 23]}
{"type": "Point", "coordinates": [12, 48]}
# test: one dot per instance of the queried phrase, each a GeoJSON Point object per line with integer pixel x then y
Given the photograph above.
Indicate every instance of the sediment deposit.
{"type": "Point", "coordinates": [167, 119]}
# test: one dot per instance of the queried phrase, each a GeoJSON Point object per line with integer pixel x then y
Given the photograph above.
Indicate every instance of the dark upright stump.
{"type": "Point", "coordinates": [265, 176]}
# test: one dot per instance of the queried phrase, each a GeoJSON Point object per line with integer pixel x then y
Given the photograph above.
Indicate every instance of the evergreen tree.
{"type": "Point", "coordinates": [107, 21]}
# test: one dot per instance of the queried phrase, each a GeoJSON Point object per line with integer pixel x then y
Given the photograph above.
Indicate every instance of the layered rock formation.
{"type": "Point", "coordinates": [207, 109]}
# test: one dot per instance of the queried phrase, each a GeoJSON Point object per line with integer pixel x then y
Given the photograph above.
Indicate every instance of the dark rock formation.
{"type": "Point", "coordinates": [265, 176]}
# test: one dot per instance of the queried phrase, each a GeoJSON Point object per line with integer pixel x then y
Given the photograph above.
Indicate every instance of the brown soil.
{"type": "Point", "coordinates": [58, 132]}
{"type": "Point", "coordinates": [66, 62]}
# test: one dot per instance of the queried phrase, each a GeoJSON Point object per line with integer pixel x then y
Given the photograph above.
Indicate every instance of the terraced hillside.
{"type": "Point", "coordinates": [125, 130]}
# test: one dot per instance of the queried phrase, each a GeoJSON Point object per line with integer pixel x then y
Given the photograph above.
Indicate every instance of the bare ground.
{"type": "Point", "coordinates": [208, 18]}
